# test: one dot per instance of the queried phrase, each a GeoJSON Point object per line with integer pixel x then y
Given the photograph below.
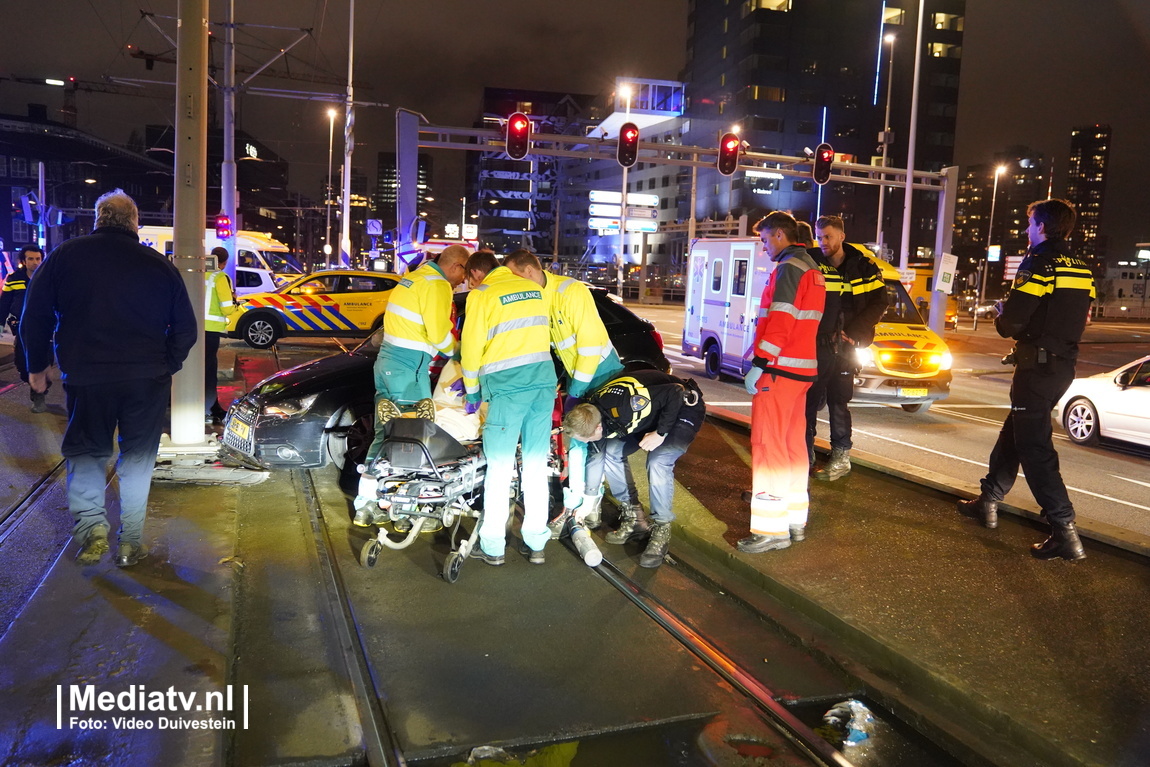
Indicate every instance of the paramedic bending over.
{"type": "Point", "coordinates": [506, 349]}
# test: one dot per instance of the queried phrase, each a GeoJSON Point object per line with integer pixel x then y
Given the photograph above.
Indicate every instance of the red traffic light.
{"type": "Point", "coordinates": [824, 156]}
{"type": "Point", "coordinates": [223, 227]}
{"type": "Point", "coordinates": [518, 136]}
{"type": "Point", "coordinates": [729, 146]}
{"type": "Point", "coordinates": [628, 149]}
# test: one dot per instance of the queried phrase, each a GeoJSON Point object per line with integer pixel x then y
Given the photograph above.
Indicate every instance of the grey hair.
{"type": "Point", "coordinates": [117, 209]}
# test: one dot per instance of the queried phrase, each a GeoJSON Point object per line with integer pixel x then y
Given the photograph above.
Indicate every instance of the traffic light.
{"type": "Point", "coordinates": [628, 149]}
{"type": "Point", "coordinates": [518, 136]}
{"type": "Point", "coordinates": [223, 227]}
{"type": "Point", "coordinates": [729, 146]}
{"type": "Point", "coordinates": [824, 156]}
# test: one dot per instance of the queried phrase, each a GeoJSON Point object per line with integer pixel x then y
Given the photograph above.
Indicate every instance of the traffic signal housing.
{"type": "Point", "coordinates": [224, 229]}
{"type": "Point", "coordinates": [518, 136]}
{"type": "Point", "coordinates": [628, 150]}
{"type": "Point", "coordinates": [824, 156]}
{"type": "Point", "coordinates": [729, 146]}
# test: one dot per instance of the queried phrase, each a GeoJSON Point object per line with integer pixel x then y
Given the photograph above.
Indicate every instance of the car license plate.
{"type": "Point", "coordinates": [240, 429]}
{"type": "Point", "coordinates": [913, 392]}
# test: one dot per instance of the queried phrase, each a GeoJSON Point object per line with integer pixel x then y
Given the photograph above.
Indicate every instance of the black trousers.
{"type": "Point", "coordinates": [211, 369]}
{"type": "Point", "coordinates": [834, 388]}
{"type": "Point", "coordinates": [1027, 440]}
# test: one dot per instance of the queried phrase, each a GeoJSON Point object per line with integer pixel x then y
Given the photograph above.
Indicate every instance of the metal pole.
{"type": "Point", "coordinates": [348, 146]}
{"type": "Point", "coordinates": [885, 142]}
{"type": "Point", "coordinates": [986, 261]}
{"type": "Point", "coordinates": [189, 205]}
{"type": "Point", "coordinates": [622, 236]}
{"type": "Point", "coordinates": [42, 208]}
{"type": "Point", "coordinates": [327, 193]}
{"type": "Point", "coordinates": [462, 215]}
{"type": "Point", "coordinates": [904, 255]}
{"type": "Point", "coordinates": [228, 201]}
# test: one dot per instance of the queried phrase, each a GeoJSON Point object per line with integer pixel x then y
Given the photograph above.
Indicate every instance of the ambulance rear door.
{"type": "Point", "coordinates": [742, 306]}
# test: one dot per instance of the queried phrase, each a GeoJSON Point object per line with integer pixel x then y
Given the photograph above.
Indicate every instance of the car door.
{"type": "Point", "coordinates": [742, 307]}
{"type": "Point", "coordinates": [313, 306]}
{"type": "Point", "coordinates": [1126, 411]}
{"type": "Point", "coordinates": [363, 299]}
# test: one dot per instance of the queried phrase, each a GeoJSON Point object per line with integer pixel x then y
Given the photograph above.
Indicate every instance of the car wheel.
{"type": "Point", "coordinates": [347, 444]}
{"type": "Point", "coordinates": [917, 407]}
{"type": "Point", "coordinates": [712, 361]}
{"type": "Point", "coordinates": [1081, 422]}
{"type": "Point", "coordinates": [259, 332]}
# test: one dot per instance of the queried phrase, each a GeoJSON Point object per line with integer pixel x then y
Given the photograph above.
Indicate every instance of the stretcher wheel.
{"type": "Point", "coordinates": [452, 566]}
{"type": "Point", "coordinates": [369, 554]}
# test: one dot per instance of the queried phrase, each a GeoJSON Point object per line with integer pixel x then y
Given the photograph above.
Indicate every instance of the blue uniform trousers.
{"type": "Point", "coordinates": [137, 409]}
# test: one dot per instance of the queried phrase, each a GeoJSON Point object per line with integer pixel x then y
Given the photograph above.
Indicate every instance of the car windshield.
{"type": "Point", "coordinates": [370, 346]}
{"type": "Point", "coordinates": [279, 262]}
{"type": "Point", "coordinates": [900, 310]}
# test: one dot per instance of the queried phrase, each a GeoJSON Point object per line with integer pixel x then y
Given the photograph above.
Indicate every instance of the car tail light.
{"type": "Point", "coordinates": [658, 337]}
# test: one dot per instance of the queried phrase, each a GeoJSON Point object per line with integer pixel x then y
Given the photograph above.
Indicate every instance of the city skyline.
{"type": "Point", "coordinates": [1049, 50]}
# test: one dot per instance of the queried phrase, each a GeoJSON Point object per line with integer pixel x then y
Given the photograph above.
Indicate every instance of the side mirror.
{"type": "Point", "coordinates": [1125, 378]}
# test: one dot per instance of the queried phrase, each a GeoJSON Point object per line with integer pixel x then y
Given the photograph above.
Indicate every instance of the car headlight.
{"type": "Point", "coordinates": [289, 408]}
{"type": "Point", "coordinates": [864, 356]}
{"type": "Point", "coordinates": [947, 361]}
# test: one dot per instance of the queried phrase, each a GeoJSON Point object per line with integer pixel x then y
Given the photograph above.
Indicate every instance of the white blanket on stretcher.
{"type": "Point", "coordinates": [449, 404]}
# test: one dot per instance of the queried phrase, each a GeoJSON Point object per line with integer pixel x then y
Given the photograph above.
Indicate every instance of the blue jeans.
{"type": "Point", "coordinates": [95, 411]}
{"type": "Point", "coordinates": [523, 416]}
{"type": "Point", "coordinates": [608, 456]}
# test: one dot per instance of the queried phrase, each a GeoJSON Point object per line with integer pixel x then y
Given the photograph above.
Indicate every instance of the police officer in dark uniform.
{"type": "Point", "coordinates": [856, 300]}
{"type": "Point", "coordinates": [1046, 314]}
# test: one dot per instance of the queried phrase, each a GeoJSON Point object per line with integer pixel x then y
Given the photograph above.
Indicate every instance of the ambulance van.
{"type": "Point", "coordinates": [907, 365]}
{"type": "Point", "coordinates": [263, 263]}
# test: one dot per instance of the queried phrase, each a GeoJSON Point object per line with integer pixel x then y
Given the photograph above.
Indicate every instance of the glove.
{"type": "Point", "coordinates": [470, 407]}
{"type": "Point", "coordinates": [751, 382]}
{"type": "Point", "coordinates": [457, 387]}
{"type": "Point", "coordinates": [572, 500]}
{"type": "Point", "coordinates": [569, 403]}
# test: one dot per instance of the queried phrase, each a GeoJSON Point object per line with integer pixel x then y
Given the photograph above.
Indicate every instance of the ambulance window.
{"type": "Point", "coordinates": [739, 279]}
{"type": "Point", "coordinates": [899, 308]}
{"type": "Point", "coordinates": [247, 279]}
{"type": "Point", "coordinates": [716, 276]}
{"type": "Point", "coordinates": [247, 258]}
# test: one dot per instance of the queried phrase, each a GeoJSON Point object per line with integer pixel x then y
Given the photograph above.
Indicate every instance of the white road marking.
{"type": "Point", "coordinates": [1127, 479]}
{"type": "Point", "coordinates": [982, 463]}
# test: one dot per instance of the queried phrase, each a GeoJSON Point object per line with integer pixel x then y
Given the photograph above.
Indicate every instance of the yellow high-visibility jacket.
{"type": "Point", "coordinates": [219, 302]}
{"type": "Point", "coordinates": [506, 343]}
{"type": "Point", "coordinates": [418, 314]}
{"type": "Point", "coordinates": [578, 335]}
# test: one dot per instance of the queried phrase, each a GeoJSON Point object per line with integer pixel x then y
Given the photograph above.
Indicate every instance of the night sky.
{"type": "Point", "coordinates": [1032, 69]}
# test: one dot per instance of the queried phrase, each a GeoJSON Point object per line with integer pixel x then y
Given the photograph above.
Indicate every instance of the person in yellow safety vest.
{"type": "Point", "coordinates": [219, 304]}
{"type": "Point", "coordinates": [416, 327]}
{"type": "Point", "coordinates": [506, 360]}
{"type": "Point", "coordinates": [580, 341]}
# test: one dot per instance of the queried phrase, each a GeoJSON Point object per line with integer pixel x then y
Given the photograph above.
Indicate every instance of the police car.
{"type": "Point", "coordinates": [344, 303]}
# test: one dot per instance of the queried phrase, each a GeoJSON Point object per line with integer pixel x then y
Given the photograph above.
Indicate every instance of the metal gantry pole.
{"type": "Point", "coordinates": [885, 141]}
{"type": "Point", "coordinates": [348, 145]}
{"type": "Point", "coordinates": [228, 201]}
{"type": "Point", "coordinates": [904, 246]}
{"type": "Point", "coordinates": [986, 261]}
{"type": "Point", "coordinates": [191, 159]}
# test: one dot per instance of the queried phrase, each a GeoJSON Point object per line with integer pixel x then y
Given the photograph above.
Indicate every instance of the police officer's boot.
{"type": "Point", "coordinates": [633, 525]}
{"type": "Point", "coordinates": [1063, 542]}
{"type": "Point", "coordinates": [657, 546]}
{"type": "Point", "coordinates": [838, 466]}
{"type": "Point", "coordinates": [592, 511]}
{"type": "Point", "coordinates": [982, 509]}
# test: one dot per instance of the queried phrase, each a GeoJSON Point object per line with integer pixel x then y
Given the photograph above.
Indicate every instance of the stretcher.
{"type": "Point", "coordinates": [422, 478]}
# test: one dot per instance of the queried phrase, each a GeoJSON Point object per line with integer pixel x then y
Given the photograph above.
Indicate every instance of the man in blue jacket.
{"type": "Point", "coordinates": [12, 305]}
{"type": "Point", "coordinates": [123, 326]}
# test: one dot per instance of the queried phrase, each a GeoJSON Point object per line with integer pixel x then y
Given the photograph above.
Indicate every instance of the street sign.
{"type": "Point", "coordinates": [1012, 264]}
{"type": "Point", "coordinates": [945, 281]}
{"type": "Point", "coordinates": [605, 211]}
{"type": "Point", "coordinates": [451, 231]}
{"type": "Point", "coordinates": [470, 231]}
{"type": "Point", "coordinates": [612, 225]}
{"type": "Point", "coordinates": [641, 212]}
{"type": "Point", "coordinates": [616, 198]}
{"type": "Point", "coordinates": [374, 227]}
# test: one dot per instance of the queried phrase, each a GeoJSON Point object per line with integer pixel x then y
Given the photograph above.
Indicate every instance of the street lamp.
{"type": "Point", "coordinates": [989, 230]}
{"type": "Point", "coordinates": [889, 39]}
{"type": "Point", "coordinates": [327, 193]}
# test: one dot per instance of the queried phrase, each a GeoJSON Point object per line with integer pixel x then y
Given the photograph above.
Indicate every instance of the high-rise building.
{"type": "Point", "coordinates": [1086, 190]}
{"type": "Point", "coordinates": [387, 187]}
{"type": "Point", "coordinates": [794, 73]}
